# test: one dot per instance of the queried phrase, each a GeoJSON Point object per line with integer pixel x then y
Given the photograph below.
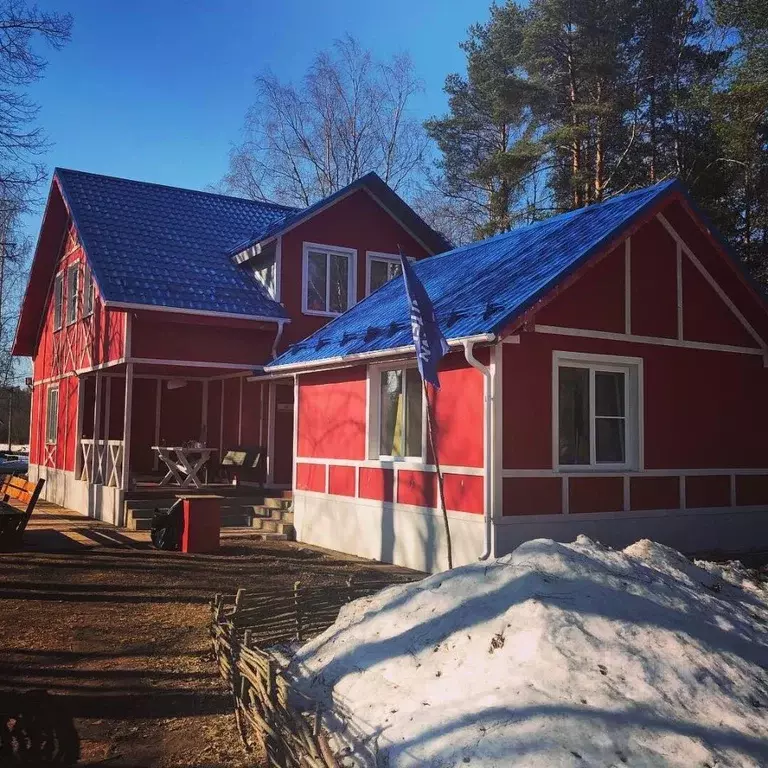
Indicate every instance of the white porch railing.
{"type": "Point", "coordinates": [103, 459]}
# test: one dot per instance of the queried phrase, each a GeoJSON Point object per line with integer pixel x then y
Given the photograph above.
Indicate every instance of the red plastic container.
{"type": "Point", "coordinates": [202, 523]}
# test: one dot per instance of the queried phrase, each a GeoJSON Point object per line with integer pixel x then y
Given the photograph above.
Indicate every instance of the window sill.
{"type": "Point", "coordinates": [320, 313]}
{"type": "Point", "coordinates": [607, 469]}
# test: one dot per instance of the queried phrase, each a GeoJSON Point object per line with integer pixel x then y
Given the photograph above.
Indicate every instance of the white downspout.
{"type": "Point", "coordinates": [488, 464]}
{"type": "Point", "coordinates": [280, 325]}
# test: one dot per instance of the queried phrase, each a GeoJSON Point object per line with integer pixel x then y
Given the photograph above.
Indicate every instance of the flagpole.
{"type": "Point", "coordinates": [440, 488]}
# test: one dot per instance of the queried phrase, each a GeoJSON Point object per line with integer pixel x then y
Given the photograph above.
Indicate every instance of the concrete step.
{"type": "Point", "coordinates": [271, 513]}
{"type": "Point", "coordinates": [275, 502]}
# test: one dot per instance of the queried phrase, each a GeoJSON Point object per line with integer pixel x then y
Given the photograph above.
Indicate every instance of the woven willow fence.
{"type": "Point", "coordinates": [244, 628]}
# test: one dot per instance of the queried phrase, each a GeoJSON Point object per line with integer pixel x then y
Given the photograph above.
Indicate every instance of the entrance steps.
{"type": "Point", "coordinates": [269, 515]}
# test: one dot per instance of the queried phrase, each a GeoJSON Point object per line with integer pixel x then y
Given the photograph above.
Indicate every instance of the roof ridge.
{"type": "Point", "coordinates": [287, 208]}
{"type": "Point", "coordinates": [565, 215]}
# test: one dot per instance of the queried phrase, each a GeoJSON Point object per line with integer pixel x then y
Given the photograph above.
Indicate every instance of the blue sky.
{"type": "Point", "coordinates": [157, 90]}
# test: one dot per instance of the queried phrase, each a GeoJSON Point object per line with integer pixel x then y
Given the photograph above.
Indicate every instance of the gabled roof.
{"type": "Point", "coordinates": [479, 288]}
{"type": "Point", "coordinates": [433, 241]}
{"type": "Point", "coordinates": [151, 244]}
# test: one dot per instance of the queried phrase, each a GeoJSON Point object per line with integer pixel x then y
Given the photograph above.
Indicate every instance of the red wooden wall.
{"type": "Point", "coordinates": [703, 409]}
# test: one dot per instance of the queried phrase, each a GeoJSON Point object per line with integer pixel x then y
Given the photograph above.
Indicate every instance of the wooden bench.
{"type": "Point", "coordinates": [13, 520]}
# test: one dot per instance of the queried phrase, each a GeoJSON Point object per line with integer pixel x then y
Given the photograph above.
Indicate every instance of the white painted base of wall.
{"type": "Point", "coordinates": [725, 529]}
{"type": "Point", "coordinates": [413, 537]}
{"type": "Point", "coordinates": [63, 488]}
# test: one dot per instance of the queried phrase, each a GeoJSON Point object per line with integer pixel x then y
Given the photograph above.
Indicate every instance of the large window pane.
{"type": "Point", "coordinates": [610, 441]}
{"type": "Point", "coordinates": [317, 274]}
{"type": "Point", "coordinates": [609, 393]}
{"type": "Point", "coordinates": [391, 417]}
{"type": "Point", "coordinates": [339, 288]}
{"type": "Point", "coordinates": [413, 412]}
{"type": "Point", "coordinates": [574, 416]}
{"type": "Point", "coordinates": [382, 271]}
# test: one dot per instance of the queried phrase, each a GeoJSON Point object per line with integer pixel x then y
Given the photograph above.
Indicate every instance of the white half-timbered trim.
{"type": "Point", "coordinates": [397, 464]}
{"type": "Point", "coordinates": [712, 282]}
{"type": "Point", "coordinates": [628, 286]}
{"type": "Point", "coordinates": [659, 341]}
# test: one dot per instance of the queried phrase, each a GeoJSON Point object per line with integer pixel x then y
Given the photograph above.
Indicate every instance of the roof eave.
{"type": "Point", "coordinates": [379, 354]}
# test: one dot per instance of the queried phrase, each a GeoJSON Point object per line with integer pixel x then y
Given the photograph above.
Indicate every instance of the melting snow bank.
{"type": "Point", "coordinates": [556, 655]}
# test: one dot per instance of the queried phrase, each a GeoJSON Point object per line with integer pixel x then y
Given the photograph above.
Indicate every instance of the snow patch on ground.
{"type": "Point", "coordinates": [556, 655]}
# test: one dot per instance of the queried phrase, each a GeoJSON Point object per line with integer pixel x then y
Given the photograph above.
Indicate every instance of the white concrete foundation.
{"type": "Point", "coordinates": [61, 487]}
{"type": "Point", "coordinates": [733, 530]}
{"type": "Point", "coordinates": [413, 537]}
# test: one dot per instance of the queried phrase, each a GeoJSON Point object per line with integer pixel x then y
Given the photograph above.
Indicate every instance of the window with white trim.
{"type": "Point", "coordinates": [58, 298]}
{"type": "Point", "coordinates": [380, 269]}
{"type": "Point", "coordinates": [400, 416]}
{"type": "Point", "coordinates": [52, 415]}
{"type": "Point", "coordinates": [329, 279]}
{"type": "Point", "coordinates": [88, 290]}
{"type": "Point", "coordinates": [596, 414]}
{"type": "Point", "coordinates": [72, 293]}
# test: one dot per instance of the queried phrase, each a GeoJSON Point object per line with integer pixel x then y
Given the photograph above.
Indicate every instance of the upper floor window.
{"type": "Point", "coordinates": [52, 415]}
{"type": "Point", "coordinates": [381, 268]}
{"type": "Point", "coordinates": [58, 298]}
{"type": "Point", "coordinates": [87, 290]}
{"type": "Point", "coordinates": [597, 413]}
{"type": "Point", "coordinates": [329, 279]}
{"type": "Point", "coordinates": [72, 274]}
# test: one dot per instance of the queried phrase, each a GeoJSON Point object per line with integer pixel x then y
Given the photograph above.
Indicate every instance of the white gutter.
{"type": "Point", "coordinates": [330, 362]}
{"type": "Point", "coordinates": [487, 444]}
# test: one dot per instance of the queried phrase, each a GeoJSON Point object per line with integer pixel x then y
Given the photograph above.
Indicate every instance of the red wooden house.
{"type": "Point", "coordinates": [151, 311]}
{"type": "Point", "coordinates": [608, 378]}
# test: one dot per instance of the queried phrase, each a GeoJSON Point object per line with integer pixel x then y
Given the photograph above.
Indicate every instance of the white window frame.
{"type": "Point", "coordinates": [58, 323]}
{"type": "Point", "coordinates": [632, 367]}
{"type": "Point", "coordinates": [371, 256]}
{"type": "Point", "coordinates": [51, 439]}
{"type": "Point", "coordinates": [72, 269]}
{"type": "Point", "coordinates": [89, 292]}
{"type": "Point", "coordinates": [374, 414]}
{"type": "Point", "coordinates": [351, 254]}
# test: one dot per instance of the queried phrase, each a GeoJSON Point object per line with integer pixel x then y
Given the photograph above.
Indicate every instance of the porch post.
{"type": "Point", "coordinates": [271, 407]}
{"type": "Point", "coordinates": [95, 464]}
{"type": "Point", "coordinates": [79, 428]}
{"type": "Point", "coordinates": [158, 403]}
{"type": "Point", "coordinates": [127, 426]}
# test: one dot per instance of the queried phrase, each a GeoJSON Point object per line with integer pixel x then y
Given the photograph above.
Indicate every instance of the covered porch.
{"type": "Point", "coordinates": [130, 414]}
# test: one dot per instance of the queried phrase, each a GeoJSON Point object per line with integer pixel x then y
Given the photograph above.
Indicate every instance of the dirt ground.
{"type": "Point", "coordinates": [105, 657]}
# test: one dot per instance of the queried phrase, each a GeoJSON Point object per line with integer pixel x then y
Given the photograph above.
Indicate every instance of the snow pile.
{"type": "Point", "coordinates": [556, 655]}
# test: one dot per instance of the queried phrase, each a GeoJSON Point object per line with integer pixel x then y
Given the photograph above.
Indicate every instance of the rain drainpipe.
{"type": "Point", "coordinates": [487, 444]}
{"type": "Point", "coordinates": [280, 325]}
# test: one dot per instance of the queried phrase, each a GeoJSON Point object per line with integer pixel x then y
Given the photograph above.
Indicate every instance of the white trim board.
{"type": "Point", "coordinates": [650, 340]}
{"type": "Point", "coordinates": [405, 464]}
{"type": "Point", "coordinates": [712, 282]}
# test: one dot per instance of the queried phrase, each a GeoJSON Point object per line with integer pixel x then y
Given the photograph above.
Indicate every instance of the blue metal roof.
{"type": "Point", "coordinates": [163, 246]}
{"type": "Point", "coordinates": [479, 288]}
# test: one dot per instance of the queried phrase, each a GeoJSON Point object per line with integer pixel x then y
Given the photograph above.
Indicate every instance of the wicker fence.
{"type": "Point", "coordinates": [246, 630]}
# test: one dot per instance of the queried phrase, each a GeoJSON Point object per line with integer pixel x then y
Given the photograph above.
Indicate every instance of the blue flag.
{"type": "Point", "coordinates": [427, 336]}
